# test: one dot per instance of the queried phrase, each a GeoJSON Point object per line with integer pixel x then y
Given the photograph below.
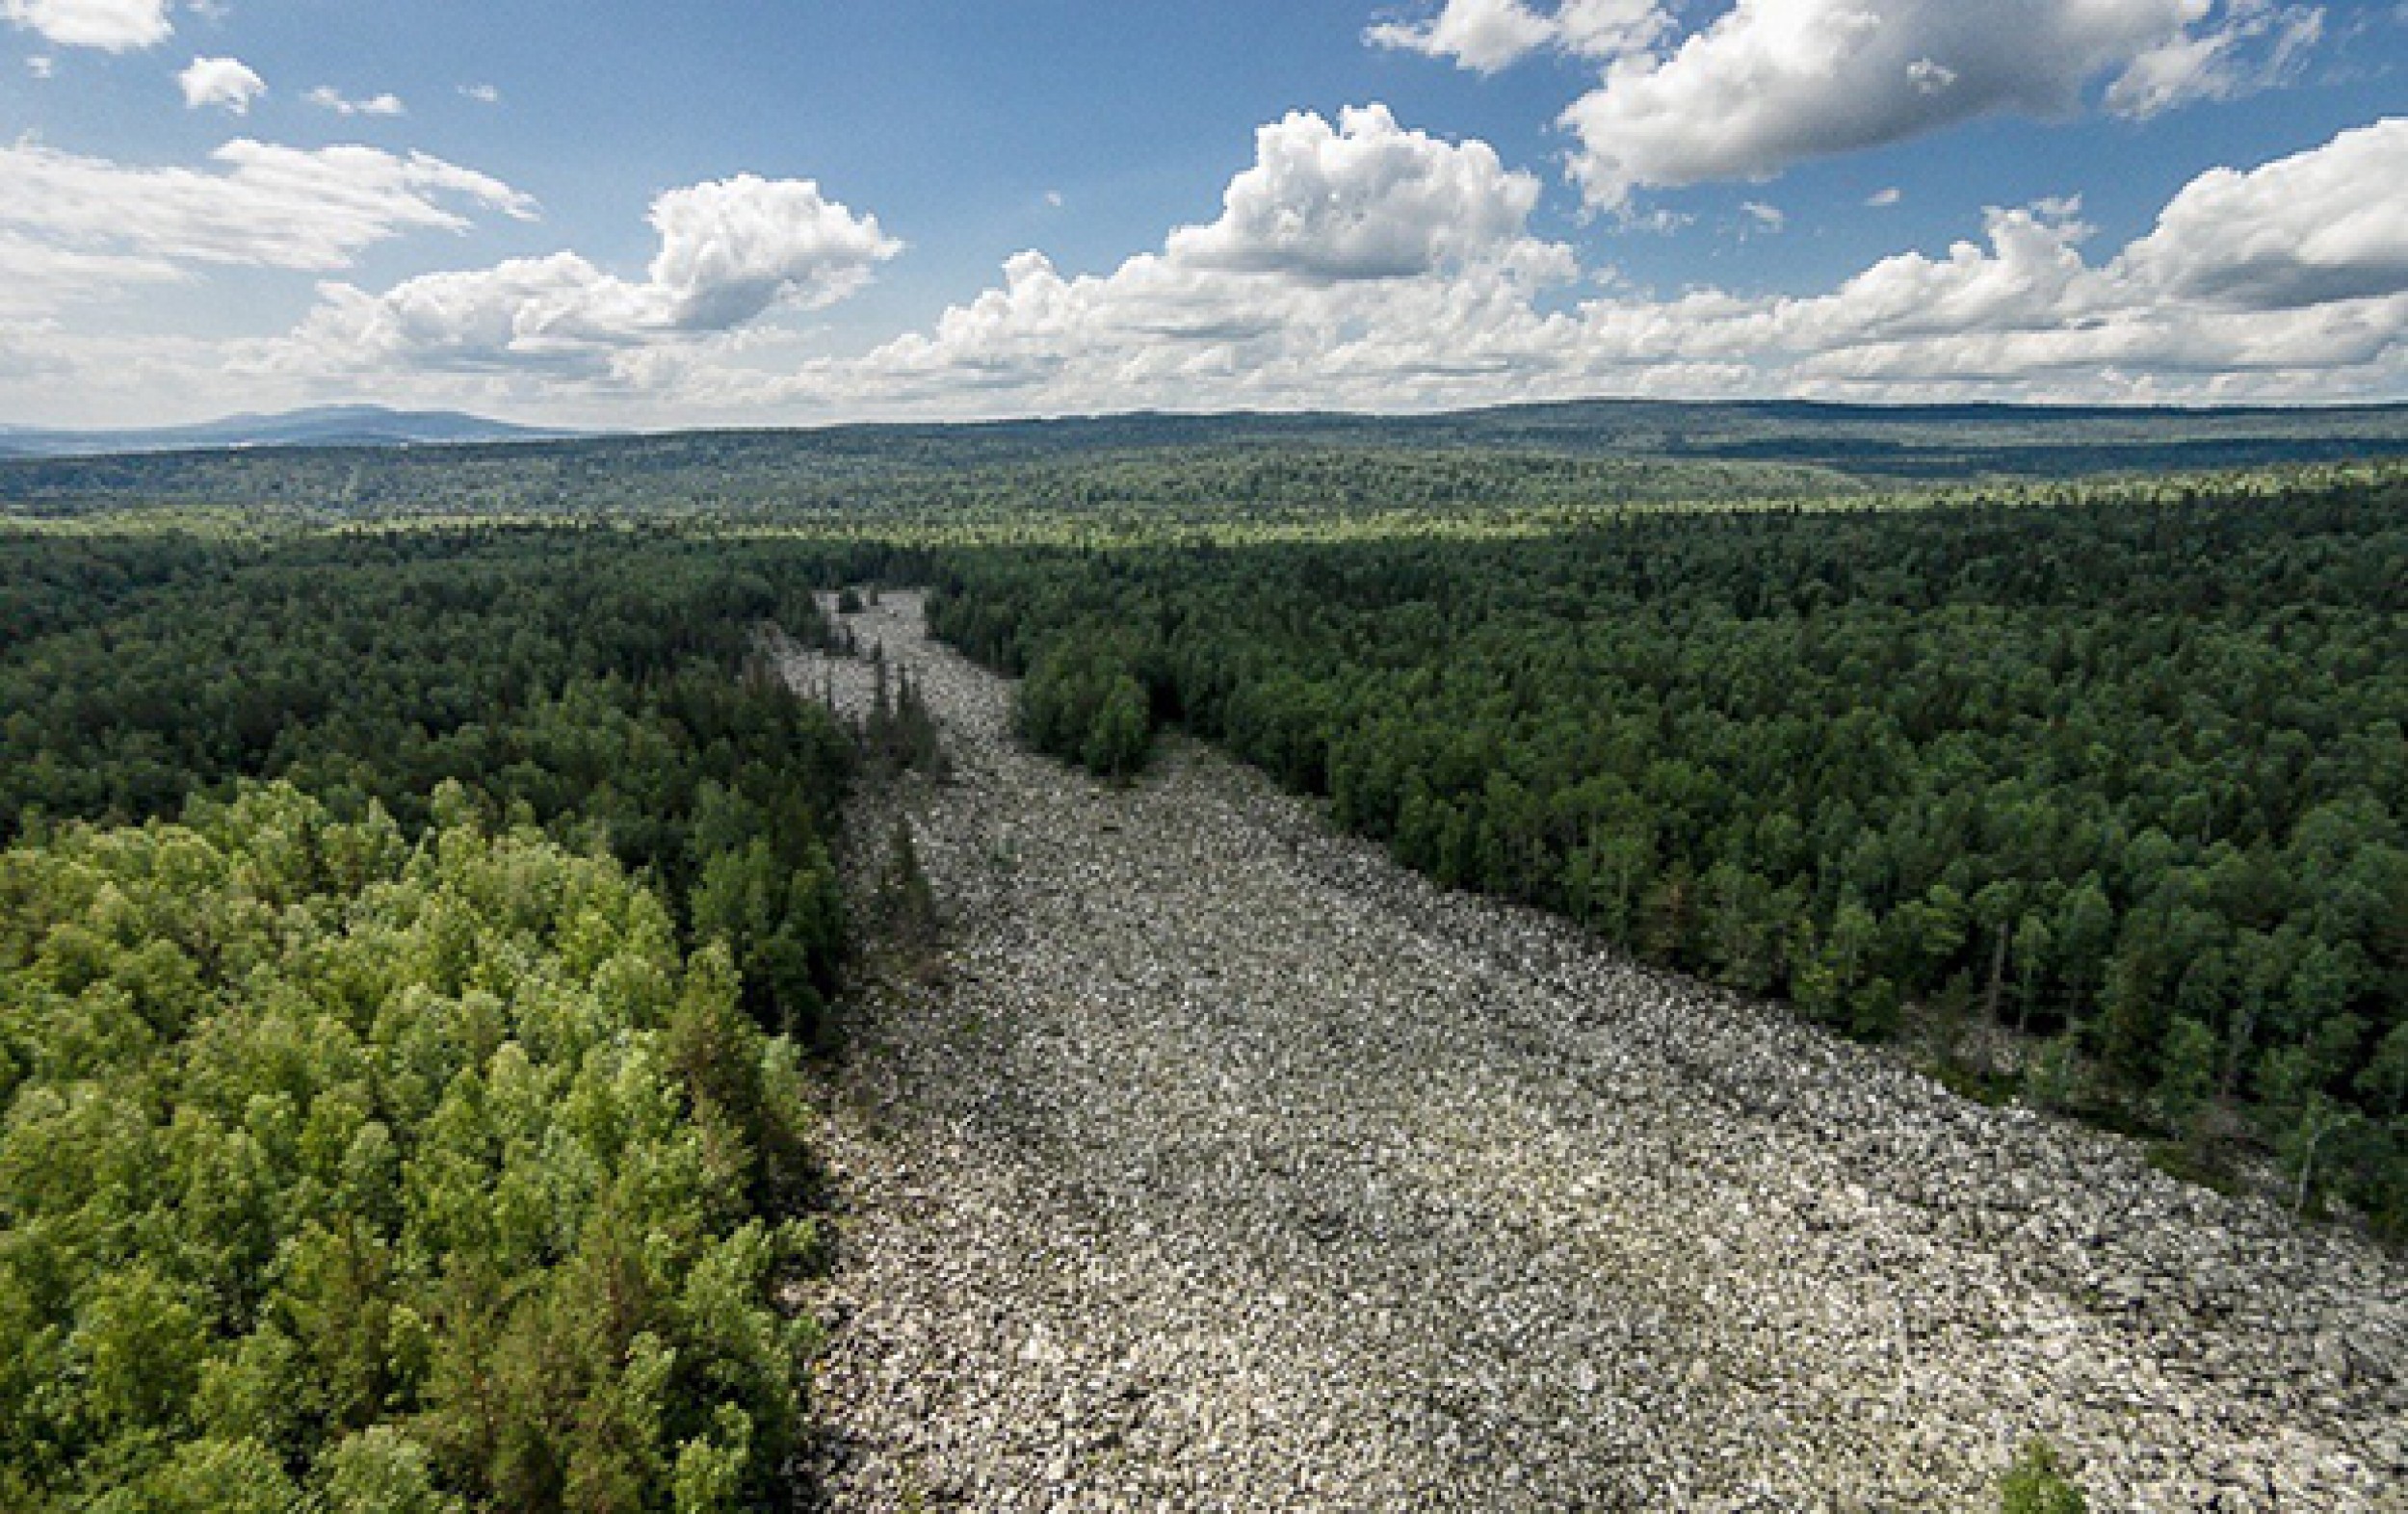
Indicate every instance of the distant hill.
{"type": "Point", "coordinates": [364, 463]}
{"type": "Point", "coordinates": [326, 425]}
{"type": "Point", "coordinates": [1875, 444]}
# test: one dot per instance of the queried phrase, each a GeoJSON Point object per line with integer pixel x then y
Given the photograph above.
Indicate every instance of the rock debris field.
{"type": "Point", "coordinates": [1226, 1165]}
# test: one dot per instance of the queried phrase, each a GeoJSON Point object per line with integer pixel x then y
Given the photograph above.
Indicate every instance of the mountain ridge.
{"type": "Point", "coordinates": [314, 425]}
{"type": "Point", "coordinates": [372, 426]}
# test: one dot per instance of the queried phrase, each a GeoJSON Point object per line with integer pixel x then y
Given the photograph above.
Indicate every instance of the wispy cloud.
{"type": "Point", "coordinates": [329, 99]}
{"type": "Point", "coordinates": [1486, 36]}
{"type": "Point", "coordinates": [260, 204]}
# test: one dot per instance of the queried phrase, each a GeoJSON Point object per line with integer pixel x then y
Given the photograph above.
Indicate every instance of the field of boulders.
{"type": "Point", "coordinates": [1215, 1161]}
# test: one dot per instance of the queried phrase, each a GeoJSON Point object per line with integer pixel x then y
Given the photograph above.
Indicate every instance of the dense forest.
{"type": "Point", "coordinates": [424, 1127]}
{"type": "Point", "coordinates": [595, 681]}
{"type": "Point", "coordinates": [410, 934]}
{"type": "Point", "coordinates": [387, 1171]}
{"type": "Point", "coordinates": [2127, 777]}
{"type": "Point", "coordinates": [1186, 467]}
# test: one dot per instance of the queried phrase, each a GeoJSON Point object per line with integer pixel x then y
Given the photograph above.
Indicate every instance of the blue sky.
{"type": "Point", "coordinates": [802, 212]}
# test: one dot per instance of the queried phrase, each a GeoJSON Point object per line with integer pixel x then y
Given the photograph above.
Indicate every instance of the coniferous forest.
{"type": "Point", "coordinates": [422, 1128]}
{"type": "Point", "coordinates": [2130, 779]}
{"type": "Point", "coordinates": [413, 936]}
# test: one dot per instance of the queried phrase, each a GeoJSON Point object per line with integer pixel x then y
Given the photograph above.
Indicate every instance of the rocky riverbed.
{"type": "Point", "coordinates": [1226, 1165]}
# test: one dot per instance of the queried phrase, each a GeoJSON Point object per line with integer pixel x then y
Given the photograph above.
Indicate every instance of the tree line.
{"type": "Point", "coordinates": [2129, 779]}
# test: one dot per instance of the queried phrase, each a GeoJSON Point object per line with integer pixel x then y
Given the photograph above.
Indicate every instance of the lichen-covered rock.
{"type": "Point", "coordinates": [1230, 1166]}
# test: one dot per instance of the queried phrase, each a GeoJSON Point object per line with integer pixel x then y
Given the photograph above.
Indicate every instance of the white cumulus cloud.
{"type": "Point", "coordinates": [1365, 251]}
{"type": "Point", "coordinates": [2271, 281]}
{"type": "Point", "coordinates": [228, 82]}
{"type": "Point", "coordinates": [2283, 280]}
{"type": "Point", "coordinates": [2320, 226]}
{"type": "Point", "coordinates": [730, 253]}
{"type": "Point", "coordinates": [1769, 83]}
{"type": "Point", "coordinates": [2027, 273]}
{"type": "Point", "coordinates": [110, 25]}
{"type": "Point", "coordinates": [2290, 277]}
{"type": "Point", "coordinates": [732, 250]}
{"type": "Point", "coordinates": [1364, 200]}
